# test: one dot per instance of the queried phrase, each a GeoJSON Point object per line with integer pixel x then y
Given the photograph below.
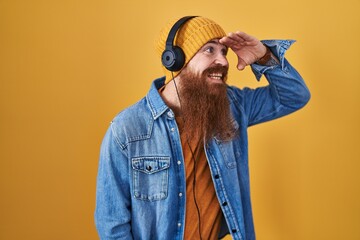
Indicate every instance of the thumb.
{"type": "Point", "coordinates": [241, 64]}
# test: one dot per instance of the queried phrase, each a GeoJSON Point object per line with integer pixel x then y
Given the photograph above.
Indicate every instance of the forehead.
{"type": "Point", "coordinates": [216, 42]}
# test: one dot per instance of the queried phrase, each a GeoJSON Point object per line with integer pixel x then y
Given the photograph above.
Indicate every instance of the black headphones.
{"type": "Point", "coordinates": [173, 57]}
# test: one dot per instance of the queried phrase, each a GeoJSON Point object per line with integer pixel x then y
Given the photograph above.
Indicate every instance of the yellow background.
{"type": "Point", "coordinates": [67, 67]}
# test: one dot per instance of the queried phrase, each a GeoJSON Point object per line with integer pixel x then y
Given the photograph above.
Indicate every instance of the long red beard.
{"type": "Point", "coordinates": [205, 106]}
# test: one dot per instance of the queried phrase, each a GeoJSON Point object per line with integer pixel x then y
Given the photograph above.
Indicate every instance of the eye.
{"type": "Point", "coordinates": [209, 49]}
{"type": "Point", "coordinates": [224, 51]}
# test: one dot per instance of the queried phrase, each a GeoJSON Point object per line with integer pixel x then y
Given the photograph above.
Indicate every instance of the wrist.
{"type": "Point", "coordinates": [264, 59]}
{"type": "Point", "coordinates": [268, 59]}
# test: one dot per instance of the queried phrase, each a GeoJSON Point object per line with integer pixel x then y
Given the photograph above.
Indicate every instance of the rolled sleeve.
{"type": "Point", "coordinates": [278, 48]}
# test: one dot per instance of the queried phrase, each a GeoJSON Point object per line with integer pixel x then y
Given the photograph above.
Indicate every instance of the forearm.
{"type": "Point", "coordinates": [289, 87]}
{"type": "Point", "coordinates": [285, 93]}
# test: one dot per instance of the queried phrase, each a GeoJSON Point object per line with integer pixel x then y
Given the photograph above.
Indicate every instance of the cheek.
{"type": "Point", "coordinates": [198, 65]}
{"type": "Point", "coordinates": [199, 69]}
{"type": "Point", "coordinates": [193, 70]}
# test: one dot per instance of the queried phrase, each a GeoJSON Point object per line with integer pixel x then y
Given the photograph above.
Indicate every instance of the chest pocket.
{"type": "Point", "coordinates": [150, 177]}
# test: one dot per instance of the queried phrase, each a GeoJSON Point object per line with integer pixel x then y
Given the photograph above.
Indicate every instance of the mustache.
{"type": "Point", "coordinates": [216, 69]}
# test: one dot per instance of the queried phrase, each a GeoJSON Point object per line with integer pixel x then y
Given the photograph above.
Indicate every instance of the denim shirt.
{"type": "Point", "coordinates": [141, 178]}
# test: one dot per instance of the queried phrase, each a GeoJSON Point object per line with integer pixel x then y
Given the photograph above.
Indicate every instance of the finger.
{"type": "Point", "coordinates": [233, 41]}
{"type": "Point", "coordinates": [229, 42]}
{"type": "Point", "coordinates": [236, 37]}
{"type": "Point", "coordinates": [245, 36]}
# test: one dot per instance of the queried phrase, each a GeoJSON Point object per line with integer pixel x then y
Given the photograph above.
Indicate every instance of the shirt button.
{"type": "Point", "coordinates": [170, 114]}
{"type": "Point", "coordinates": [179, 162]}
{"type": "Point", "coordinates": [179, 224]}
{"type": "Point", "coordinates": [180, 194]}
{"type": "Point", "coordinates": [224, 204]}
{"type": "Point", "coordinates": [216, 176]}
{"type": "Point", "coordinates": [172, 129]}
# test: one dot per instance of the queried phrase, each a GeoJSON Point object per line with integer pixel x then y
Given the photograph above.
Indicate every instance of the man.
{"type": "Point", "coordinates": [175, 164]}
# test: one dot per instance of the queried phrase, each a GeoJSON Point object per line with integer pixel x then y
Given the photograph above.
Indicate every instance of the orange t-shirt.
{"type": "Point", "coordinates": [209, 208]}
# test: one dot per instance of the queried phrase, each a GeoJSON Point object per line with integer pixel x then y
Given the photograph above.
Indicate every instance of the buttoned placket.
{"type": "Point", "coordinates": [175, 135]}
{"type": "Point", "coordinates": [222, 195]}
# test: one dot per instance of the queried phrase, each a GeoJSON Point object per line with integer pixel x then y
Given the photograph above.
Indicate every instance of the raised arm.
{"type": "Point", "coordinates": [286, 91]}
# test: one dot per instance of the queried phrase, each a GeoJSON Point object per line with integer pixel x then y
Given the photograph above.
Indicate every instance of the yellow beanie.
{"type": "Point", "coordinates": [191, 36]}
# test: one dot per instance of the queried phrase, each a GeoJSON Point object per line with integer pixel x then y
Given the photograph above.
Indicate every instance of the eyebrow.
{"type": "Point", "coordinates": [217, 43]}
{"type": "Point", "coordinates": [213, 41]}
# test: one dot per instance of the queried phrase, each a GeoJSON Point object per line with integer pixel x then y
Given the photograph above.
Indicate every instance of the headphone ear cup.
{"type": "Point", "coordinates": [173, 59]}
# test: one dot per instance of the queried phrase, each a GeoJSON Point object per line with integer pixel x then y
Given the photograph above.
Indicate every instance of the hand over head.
{"type": "Point", "coordinates": [247, 48]}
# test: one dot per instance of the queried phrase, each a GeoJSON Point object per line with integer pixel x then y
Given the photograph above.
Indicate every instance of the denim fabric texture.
{"type": "Point", "coordinates": [141, 177]}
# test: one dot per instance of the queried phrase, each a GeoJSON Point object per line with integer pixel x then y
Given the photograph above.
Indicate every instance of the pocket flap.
{"type": "Point", "coordinates": [150, 165]}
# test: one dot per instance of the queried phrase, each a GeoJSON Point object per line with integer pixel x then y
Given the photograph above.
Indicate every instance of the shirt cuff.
{"type": "Point", "coordinates": [278, 48]}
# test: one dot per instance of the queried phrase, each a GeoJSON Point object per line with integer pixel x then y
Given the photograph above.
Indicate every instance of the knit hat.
{"type": "Point", "coordinates": [191, 36]}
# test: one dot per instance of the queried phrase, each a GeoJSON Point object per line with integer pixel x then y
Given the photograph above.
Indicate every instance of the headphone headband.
{"type": "Point", "coordinates": [173, 57]}
{"type": "Point", "coordinates": [175, 28]}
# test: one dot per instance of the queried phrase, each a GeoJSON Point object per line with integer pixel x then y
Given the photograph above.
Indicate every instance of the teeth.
{"type": "Point", "coordinates": [216, 76]}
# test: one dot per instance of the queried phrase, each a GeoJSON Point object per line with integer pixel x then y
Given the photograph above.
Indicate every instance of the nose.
{"type": "Point", "coordinates": [221, 60]}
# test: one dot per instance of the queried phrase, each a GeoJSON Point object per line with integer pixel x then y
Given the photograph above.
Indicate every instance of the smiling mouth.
{"type": "Point", "coordinates": [216, 76]}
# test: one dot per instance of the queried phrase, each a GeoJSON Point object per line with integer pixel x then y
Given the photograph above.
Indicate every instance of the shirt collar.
{"type": "Point", "coordinates": [155, 102]}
